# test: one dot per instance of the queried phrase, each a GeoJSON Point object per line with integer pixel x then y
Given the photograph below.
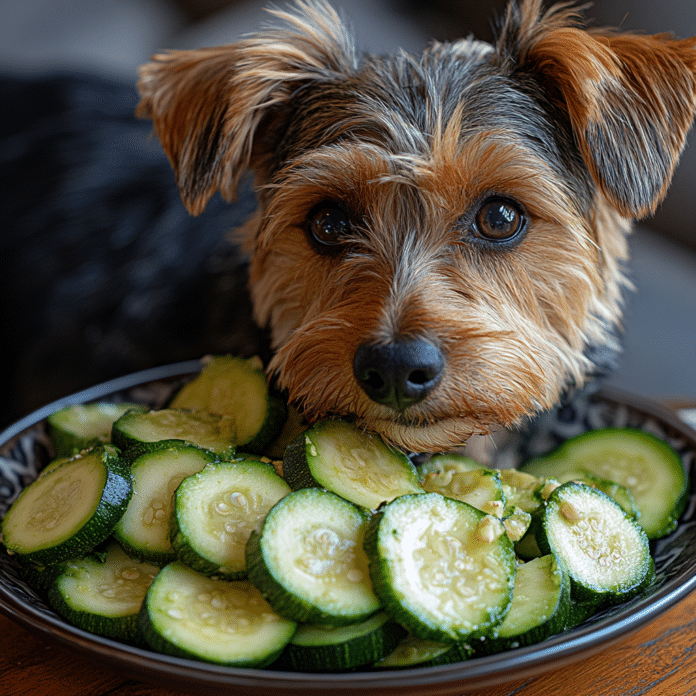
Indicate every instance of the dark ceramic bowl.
{"type": "Point", "coordinates": [25, 449]}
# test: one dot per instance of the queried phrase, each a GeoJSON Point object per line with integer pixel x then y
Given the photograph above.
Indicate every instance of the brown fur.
{"type": "Point", "coordinates": [582, 129]}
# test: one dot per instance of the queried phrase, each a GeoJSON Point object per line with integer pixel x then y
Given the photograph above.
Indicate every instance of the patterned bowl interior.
{"type": "Point", "coordinates": [26, 451]}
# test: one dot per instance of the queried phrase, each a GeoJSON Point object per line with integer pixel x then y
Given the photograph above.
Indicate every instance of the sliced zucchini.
{"type": "Point", "coordinates": [144, 529]}
{"type": "Point", "coordinates": [644, 464]}
{"type": "Point", "coordinates": [539, 609]}
{"type": "Point", "coordinates": [236, 387]}
{"type": "Point", "coordinates": [416, 652]}
{"type": "Point", "coordinates": [308, 560]}
{"type": "Point", "coordinates": [103, 595]}
{"type": "Point", "coordinates": [442, 568]}
{"type": "Point", "coordinates": [614, 490]}
{"type": "Point", "coordinates": [80, 426]}
{"type": "Point", "coordinates": [447, 461]}
{"type": "Point", "coordinates": [215, 511]}
{"type": "Point", "coordinates": [68, 511]}
{"type": "Point", "coordinates": [317, 649]}
{"type": "Point", "coordinates": [357, 465]}
{"type": "Point", "coordinates": [187, 614]}
{"type": "Point", "coordinates": [517, 523]}
{"type": "Point", "coordinates": [136, 432]}
{"type": "Point", "coordinates": [605, 552]}
{"type": "Point", "coordinates": [522, 490]}
{"type": "Point", "coordinates": [481, 488]}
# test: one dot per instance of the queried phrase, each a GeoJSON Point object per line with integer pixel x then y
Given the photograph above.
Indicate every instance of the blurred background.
{"type": "Point", "coordinates": [113, 37]}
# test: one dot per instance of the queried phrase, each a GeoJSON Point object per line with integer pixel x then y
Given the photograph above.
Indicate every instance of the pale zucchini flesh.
{"type": "Point", "coordinates": [136, 431]}
{"type": "Point", "coordinates": [236, 387]}
{"type": "Point", "coordinates": [215, 511]}
{"type": "Point", "coordinates": [103, 596]}
{"type": "Point", "coordinates": [539, 608]}
{"type": "Point", "coordinates": [224, 622]}
{"type": "Point", "coordinates": [442, 568]}
{"type": "Point", "coordinates": [480, 487]}
{"type": "Point", "coordinates": [605, 552]}
{"type": "Point", "coordinates": [81, 426]}
{"type": "Point", "coordinates": [357, 465]}
{"type": "Point", "coordinates": [308, 559]}
{"type": "Point", "coordinates": [317, 649]}
{"type": "Point", "coordinates": [69, 510]}
{"type": "Point", "coordinates": [144, 528]}
{"type": "Point", "coordinates": [647, 466]}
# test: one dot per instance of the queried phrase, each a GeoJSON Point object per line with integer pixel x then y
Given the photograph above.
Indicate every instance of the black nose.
{"type": "Point", "coordinates": [398, 374]}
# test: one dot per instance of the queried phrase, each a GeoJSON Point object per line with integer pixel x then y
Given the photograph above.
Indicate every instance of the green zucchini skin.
{"type": "Point", "coordinates": [591, 535]}
{"type": "Point", "coordinates": [186, 614]}
{"type": "Point", "coordinates": [540, 608]}
{"type": "Point", "coordinates": [216, 509]}
{"type": "Point", "coordinates": [647, 466]}
{"type": "Point", "coordinates": [404, 591]}
{"type": "Point", "coordinates": [415, 652]}
{"type": "Point", "coordinates": [307, 559]}
{"type": "Point", "coordinates": [120, 583]}
{"type": "Point", "coordinates": [137, 432]}
{"type": "Point", "coordinates": [339, 649]}
{"type": "Point", "coordinates": [358, 466]}
{"type": "Point", "coordinates": [145, 526]}
{"type": "Point", "coordinates": [81, 426]}
{"type": "Point", "coordinates": [108, 510]}
{"type": "Point", "coordinates": [237, 387]}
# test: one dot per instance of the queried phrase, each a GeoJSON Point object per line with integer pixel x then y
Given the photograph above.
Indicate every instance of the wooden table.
{"type": "Point", "coordinates": [659, 660]}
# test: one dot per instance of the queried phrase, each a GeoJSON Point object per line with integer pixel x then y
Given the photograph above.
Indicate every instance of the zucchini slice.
{"type": "Point", "coordinates": [308, 560]}
{"type": "Point", "coordinates": [68, 511]}
{"type": "Point", "coordinates": [215, 511]}
{"type": "Point", "coordinates": [416, 652]}
{"type": "Point", "coordinates": [605, 552]}
{"type": "Point", "coordinates": [236, 387]}
{"type": "Point", "coordinates": [81, 426]}
{"type": "Point", "coordinates": [187, 614]}
{"type": "Point", "coordinates": [103, 596]}
{"type": "Point", "coordinates": [357, 465]}
{"type": "Point", "coordinates": [539, 608]}
{"type": "Point", "coordinates": [136, 432]}
{"type": "Point", "coordinates": [317, 649]}
{"type": "Point", "coordinates": [442, 568]}
{"type": "Point", "coordinates": [481, 488]}
{"type": "Point", "coordinates": [522, 490]}
{"type": "Point", "coordinates": [144, 529]}
{"type": "Point", "coordinates": [647, 466]}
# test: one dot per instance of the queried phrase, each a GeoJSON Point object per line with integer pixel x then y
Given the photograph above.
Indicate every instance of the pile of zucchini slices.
{"type": "Point", "coordinates": [221, 529]}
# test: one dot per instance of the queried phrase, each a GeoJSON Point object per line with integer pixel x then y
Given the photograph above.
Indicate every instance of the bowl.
{"type": "Point", "coordinates": [25, 448]}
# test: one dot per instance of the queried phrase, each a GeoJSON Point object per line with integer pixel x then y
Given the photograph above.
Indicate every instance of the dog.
{"type": "Point", "coordinates": [438, 243]}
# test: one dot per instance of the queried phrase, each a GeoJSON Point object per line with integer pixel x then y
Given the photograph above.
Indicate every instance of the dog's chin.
{"type": "Point", "coordinates": [439, 435]}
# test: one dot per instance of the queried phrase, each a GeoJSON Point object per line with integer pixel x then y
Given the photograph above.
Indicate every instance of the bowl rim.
{"type": "Point", "coordinates": [202, 677]}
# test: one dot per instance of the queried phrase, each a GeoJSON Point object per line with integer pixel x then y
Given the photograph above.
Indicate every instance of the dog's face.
{"type": "Point", "coordinates": [439, 240]}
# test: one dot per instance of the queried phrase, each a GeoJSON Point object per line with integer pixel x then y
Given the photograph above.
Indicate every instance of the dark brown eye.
{"type": "Point", "coordinates": [499, 220]}
{"type": "Point", "coordinates": [328, 225]}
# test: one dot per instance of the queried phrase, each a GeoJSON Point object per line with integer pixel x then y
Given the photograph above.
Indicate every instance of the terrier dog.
{"type": "Point", "coordinates": [439, 243]}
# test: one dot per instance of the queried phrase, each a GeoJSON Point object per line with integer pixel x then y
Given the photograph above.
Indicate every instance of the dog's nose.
{"type": "Point", "coordinates": [398, 374]}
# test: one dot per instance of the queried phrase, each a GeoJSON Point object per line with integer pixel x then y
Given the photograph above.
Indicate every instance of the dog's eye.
{"type": "Point", "coordinates": [328, 225]}
{"type": "Point", "coordinates": [499, 220]}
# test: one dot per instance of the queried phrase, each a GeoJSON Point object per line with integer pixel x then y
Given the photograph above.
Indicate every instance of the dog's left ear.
{"type": "Point", "coordinates": [630, 98]}
{"type": "Point", "coordinates": [218, 111]}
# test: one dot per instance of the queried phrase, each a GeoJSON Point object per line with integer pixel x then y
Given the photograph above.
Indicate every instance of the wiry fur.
{"type": "Point", "coordinates": [583, 129]}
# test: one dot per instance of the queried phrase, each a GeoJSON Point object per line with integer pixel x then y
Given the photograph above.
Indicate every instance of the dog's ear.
{"type": "Point", "coordinates": [217, 111]}
{"type": "Point", "coordinates": [630, 98]}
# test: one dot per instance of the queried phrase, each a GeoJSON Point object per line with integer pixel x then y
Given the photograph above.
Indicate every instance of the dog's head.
{"type": "Point", "coordinates": [439, 239]}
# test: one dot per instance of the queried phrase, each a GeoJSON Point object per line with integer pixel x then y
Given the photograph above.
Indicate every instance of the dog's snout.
{"type": "Point", "coordinates": [398, 374]}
